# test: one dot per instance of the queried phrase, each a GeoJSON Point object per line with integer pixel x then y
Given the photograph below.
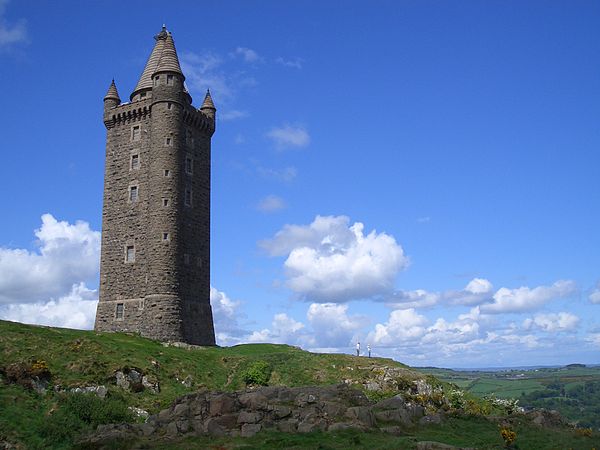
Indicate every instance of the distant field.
{"type": "Point", "coordinates": [504, 388]}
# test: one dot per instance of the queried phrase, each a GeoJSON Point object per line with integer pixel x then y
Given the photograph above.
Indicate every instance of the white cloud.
{"type": "Point", "coordinates": [295, 63]}
{"type": "Point", "coordinates": [288, 136]}
{"type": "Point", "coordinates": [332, 326]}
{"type": "Point", "coordinates": [247, 54]}
{"type": "Point", "coordinates": [287, 174]}
{"type": "Point", "coordinates": [203, 71]}
{"type": "Point", "coordinates": [594, 297]}
{"type": "Point", "coordinates": [10, 34]}
{"type": "Point", "coordinates": [68, 254]}
{"type": "Point", "coordinates": [525, 299]}
{"type": "Point", "coordinates": [284, 330]}
{"type": "Point", "coordinates": [562, 321]}
{"type": "Point", "coordinates": [226, 316]}
{"type": "Point", "coordinates": [403, 325]}
{"type": "Point", "coordinates": [77, 309]}
{"type": "Point", "coordinates": [271, 203]}
{"type": "Point", "coordinates": [232, 114]}
{"type": "Point", "coordinates": [331, 261]}
{"type": "Point", "coordinates": [477, 291]}
{"type": "Point", "coordinates": [478, 286]}
{"type": "Point", "coordinates": [594, 339]}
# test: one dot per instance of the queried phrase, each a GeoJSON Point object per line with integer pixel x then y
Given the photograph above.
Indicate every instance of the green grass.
{"type": "Point", "coordinates": [504, 388]}
{"type": "Point", "coordinates": [80, 358]}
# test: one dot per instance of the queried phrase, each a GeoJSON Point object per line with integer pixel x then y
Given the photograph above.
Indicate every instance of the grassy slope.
{"type": "Point", "coordinates": [79, 358]}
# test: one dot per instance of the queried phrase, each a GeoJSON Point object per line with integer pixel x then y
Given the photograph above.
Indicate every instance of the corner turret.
{"type": "Point", "coordinates": [111, 99]}
{"type": "Point", "coordinates": [208, 107]}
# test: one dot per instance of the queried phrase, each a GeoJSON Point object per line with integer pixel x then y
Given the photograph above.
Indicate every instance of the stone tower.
{"type": "Point", "coordinates": [155, 257]}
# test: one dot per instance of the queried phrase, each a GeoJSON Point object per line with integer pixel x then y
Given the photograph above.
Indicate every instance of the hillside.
{"type": "Point", "coordinates": [57, 384]}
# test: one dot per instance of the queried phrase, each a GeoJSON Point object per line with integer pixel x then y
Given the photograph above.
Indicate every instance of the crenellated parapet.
{"type": "Point", "coordinates": [199, 120]}
{"type": "Point", "coordinates": [127, 113]}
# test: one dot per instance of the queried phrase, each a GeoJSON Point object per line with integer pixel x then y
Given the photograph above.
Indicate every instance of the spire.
{"type": "Point", "coordinates": [163, 58]}
{"type": "Point", "coordinates": [112, 92]}
{"type": "Point", "coordinates": [208, 102]}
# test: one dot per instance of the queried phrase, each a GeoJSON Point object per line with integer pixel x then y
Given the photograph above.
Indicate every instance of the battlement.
{"type": "Point", "coordinates": [127, 113]}
{"type": "Point", "coordinates": [199, 120]}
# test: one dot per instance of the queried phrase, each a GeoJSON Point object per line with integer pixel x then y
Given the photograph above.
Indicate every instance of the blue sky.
{"type": "Point", "coordinates": [422, 176]}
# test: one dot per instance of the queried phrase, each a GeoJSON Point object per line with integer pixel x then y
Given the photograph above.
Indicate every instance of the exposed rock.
{"type": "Point", "coordinates": [431, 445]}
{"type": "Point", "coordinates": [99, 391]}
{"type": "Point", "coordinates": [151, 384]}
{"type": "Point", "coordinates": [129, 379]}
{"type": "Point", "coordinates": [139, 412]}
{"type": "Point", "coordinates": [546, 419]}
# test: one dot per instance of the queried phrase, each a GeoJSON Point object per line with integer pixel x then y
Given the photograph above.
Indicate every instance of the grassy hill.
{"type": "Point", "coordinates": [71, 358]}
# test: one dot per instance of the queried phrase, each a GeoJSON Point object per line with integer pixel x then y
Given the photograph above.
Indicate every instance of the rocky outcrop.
{"type": "Point", "coordinates": [290, 410]}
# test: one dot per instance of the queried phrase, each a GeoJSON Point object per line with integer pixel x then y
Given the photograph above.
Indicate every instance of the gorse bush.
{"type": "Point", "coordinates": [258, 373]}
{"type": "Point", "coordinates": [76, 413]}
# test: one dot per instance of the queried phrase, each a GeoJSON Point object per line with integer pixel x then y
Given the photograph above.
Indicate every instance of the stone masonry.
{"type": "Point", "coordinates": [155, 257]}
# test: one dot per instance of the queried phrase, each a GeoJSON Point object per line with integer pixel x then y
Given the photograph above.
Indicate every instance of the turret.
{"type": "Point", "coordinates": [208, 107]}
{"type": "Point", "coordinates": [111, 99]}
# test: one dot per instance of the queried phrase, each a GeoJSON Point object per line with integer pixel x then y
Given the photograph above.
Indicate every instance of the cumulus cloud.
{"type": "Point", "coordinates": [284, 330]}
{"type": "Point", "coordinates": [562, 321]}
{"type": "Point", "coordinates": [526, 299]}
{"type": "Point", "coordinates": [330, 260]}
{"type": "Point", "coordinates": [295, 63]}
{"type": "Point", "coordinates": [67, 254]}
{"type": "Point", "coordinates": [286, 174]}
{"type": "Point", "coordinates": [477, 291]}
{"type": "Point", "coordinates": [403, 325]}
{"type": "Point", "coordinates": [203, 71]}
{"type": "Point", "coordinates": [226, 318]}
{"type": "Point", "coordinates": [271, 203]}
{"type": "Point", "coordinates": [77, 309]}
{"type": "Point", "coordinates": [10, 34]}
{"type": "Point", "coordinates": [288, 136]}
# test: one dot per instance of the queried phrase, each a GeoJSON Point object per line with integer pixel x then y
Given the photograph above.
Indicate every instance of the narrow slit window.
{"type": "Point", "coordinates": [133, 194]}
{"type": "Point", "coordinates": [165, 236]}
{"type": "Point", "coordinates": [136, 133]}
{"type": "Point", "coordinates": [188, 197]}
{"type": "Point", "coordinates": [165, 202]}
{"type": "Point", "coordinates": [189, 165]}
{"type": "Point", "coordinates": [189, 138]}
{"type": "Point", "coordinates": [119, 313]}
{"type": "Point", "coordinates": [135, 162]}
{"type": "Point", "coordinates": [142, 95]}
{"type": "Point", "coordinates": [169, 141]}
{"type": "Point", "coordinates": [130, 253]}
{"type": "Point", "coordinates": [169, 105]}
{"type": "Point", "coordinates": [167, 173]}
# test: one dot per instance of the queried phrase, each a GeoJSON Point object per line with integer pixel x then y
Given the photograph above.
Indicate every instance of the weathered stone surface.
{"type": "Point", "coordinates": [250, 429]}
{"type": "Point", "coordinates": [249, 417]}
{"type": "Point", "coordinates": [362, 414]}
{"type": "Point", "coordinates": [222, 404]}
{"type": "Point", "coordinates": [164, 293]}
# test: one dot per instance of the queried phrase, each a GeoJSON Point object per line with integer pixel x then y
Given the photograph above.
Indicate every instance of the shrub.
{"type": "Point", "coordinates": [258, 373]}
{"type": "Point", "coordinates": [508, 435]}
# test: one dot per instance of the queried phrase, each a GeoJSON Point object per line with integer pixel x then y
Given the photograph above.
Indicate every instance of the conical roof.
{"type": "Point", "coordinates": [112, 92]}
{"type": "Point", "coordinates": [162, 59]}
{"type": "Point", "coordinates": [208, 102]}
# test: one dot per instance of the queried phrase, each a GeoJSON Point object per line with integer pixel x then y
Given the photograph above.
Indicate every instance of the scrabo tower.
{"type": "Point", "coordinates": [155, 258]}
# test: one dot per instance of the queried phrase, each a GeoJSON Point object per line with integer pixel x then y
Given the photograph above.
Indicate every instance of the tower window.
{"type": "Point", "coordinates": [135, 162]}
{"type": "Point", "coordinates": [120, 310]}
{"type": "Point", "coordinates": [165, 202]}
{"type": "Point", "coordinates": [167, 173]}
{"type": "Point", "coordinates": [130, 253]}
{"type": "Point", "coordinates": [189, 138]}
{"type": "Point", "coordinates": [133, 193]}
{"type": "Point", "coordinates": [186, 258]}
{"type": "Point", "coordinates": [188, 197]}
{"type": "Point", "coordinates": [142, 95]}
{"type": "Point", "coordinates": [189, 165]}
{"type": "Point", "coordinates": [136, 133]}
{"type": "Point", "coordinates": [166, 237]}
{"type": "Point", "coordinates": [169, 105]}
{"type": "Point", "coordinates": [170, 80]}
{"type": "Point", "coordinates": [169, 141]}
{"type": "Point", "coordinates": [156, 80]}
